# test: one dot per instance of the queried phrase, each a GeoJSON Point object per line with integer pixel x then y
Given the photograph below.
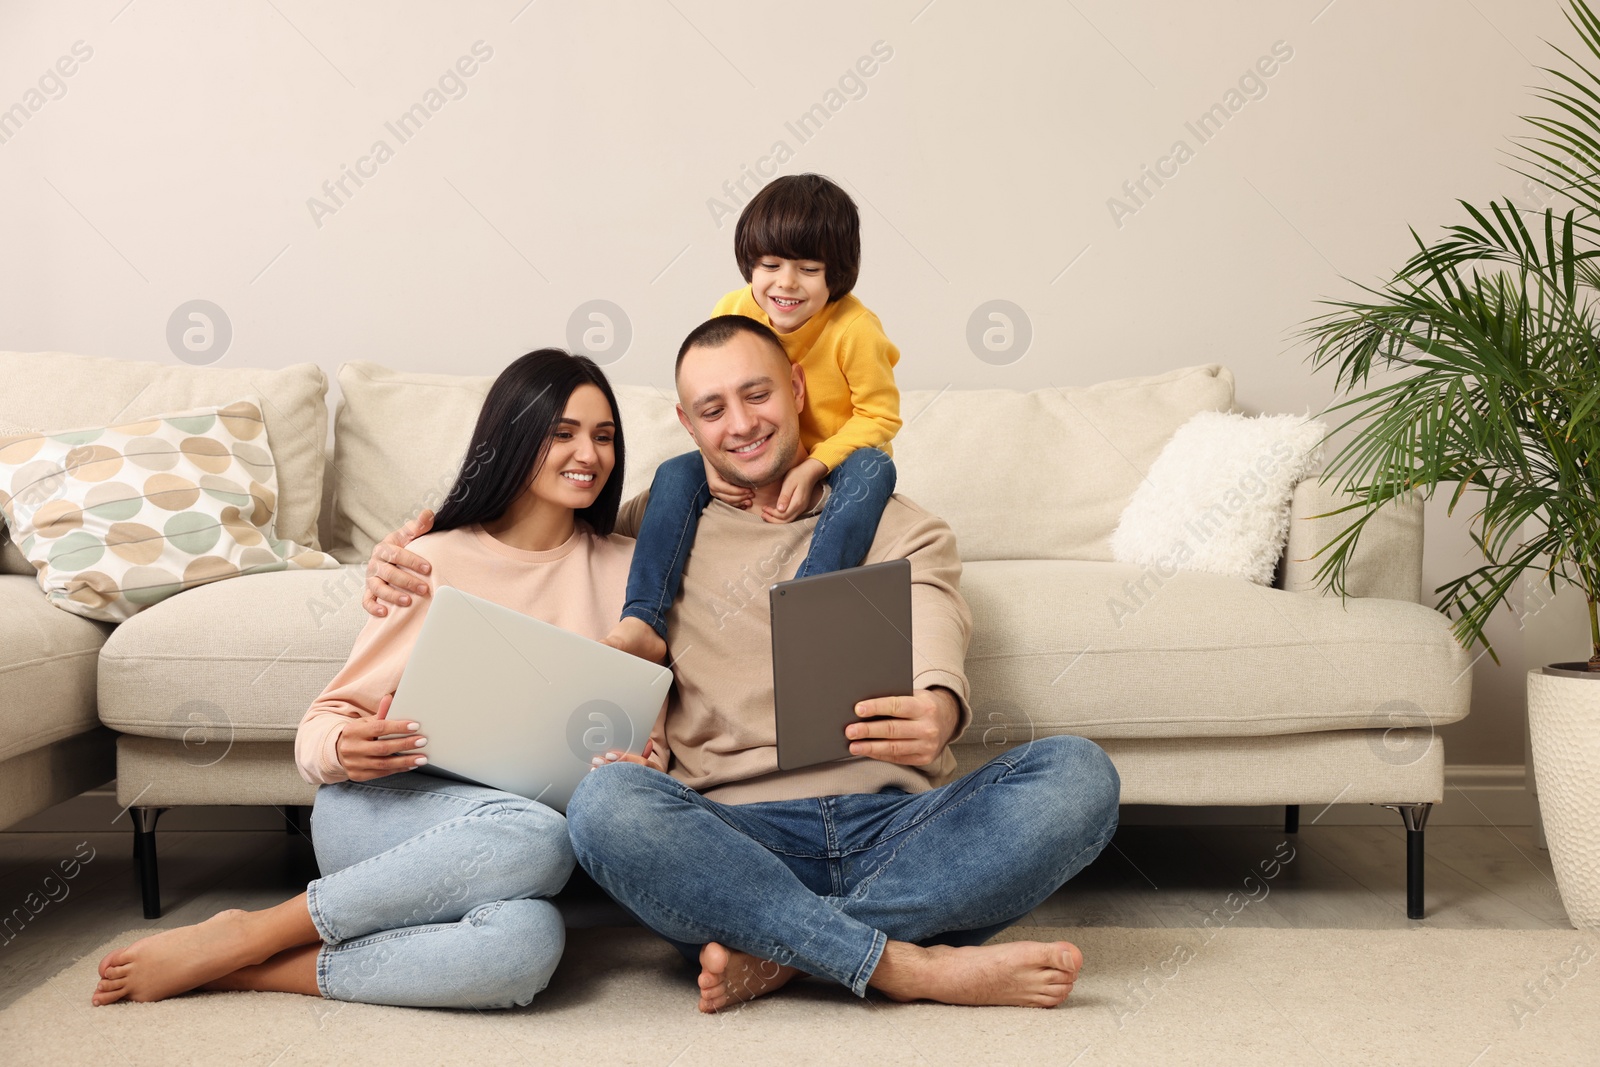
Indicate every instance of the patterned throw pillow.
{"type": "Point", "coordinates": [117, 518]}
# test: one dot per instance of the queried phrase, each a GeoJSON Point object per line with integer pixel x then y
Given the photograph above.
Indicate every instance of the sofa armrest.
{"type": "Point", "coordinates": [1388, 558]}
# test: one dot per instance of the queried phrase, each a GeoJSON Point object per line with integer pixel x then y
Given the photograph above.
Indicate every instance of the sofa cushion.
{"type": "Point", "coordinates": [12, 561]}
{"type": "Point", "coordinates": [46, 391]}
{"type": "Point", "coordinates": [1055, 644]}
{"type": "Point", "coordinates": [1113, 650]}
{"type": "Point", "coordinates": [399, 438]}
{"type": "Point", "coordinates": [236, 661]}
{"type": "Point", "coordinates": [120, 517]}
{"type": "Point", "coordinates": [47, 669]}
{"type": "Point", "coordinates": [1046, 474]}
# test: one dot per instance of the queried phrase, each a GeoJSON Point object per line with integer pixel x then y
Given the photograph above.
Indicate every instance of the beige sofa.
{"type": "Point", "coordinates": [1204, 690]}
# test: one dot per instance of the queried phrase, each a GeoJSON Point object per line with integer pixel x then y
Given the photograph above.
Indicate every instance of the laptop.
{"type": "Point", "coordinates": [510, 701]}
{"type": "Point", "coordinates": [837, 639]}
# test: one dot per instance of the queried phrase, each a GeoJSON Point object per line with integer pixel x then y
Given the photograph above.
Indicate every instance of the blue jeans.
{"type": "Point", "coordinates": [823, 884]}
{"type": "Point", "coordinates": [860, 487]}
{"type": "Point", "coordinates": [429, 895]}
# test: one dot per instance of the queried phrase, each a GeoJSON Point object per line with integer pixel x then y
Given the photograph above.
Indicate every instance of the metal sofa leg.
{"type": "Point", "coordinates": [1291, 818]}
{"type": "Point", "coordinates": [144, 859]}
{"type": "Point", "coordinates": [1416, 818]}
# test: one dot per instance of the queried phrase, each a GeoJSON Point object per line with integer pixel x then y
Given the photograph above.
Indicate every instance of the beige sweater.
{"type": "Point", "coordinates": [719, 722]}
{"type": "Point", "coordinates": [578, 586]}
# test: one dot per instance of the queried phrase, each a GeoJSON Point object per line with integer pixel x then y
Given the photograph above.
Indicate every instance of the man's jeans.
{"type": "Point", "coordinates": [861, 487]}
{"type": "Point", "coordinates": [429, 893]}
{"type": "Point", "coordinates": [823, 884]}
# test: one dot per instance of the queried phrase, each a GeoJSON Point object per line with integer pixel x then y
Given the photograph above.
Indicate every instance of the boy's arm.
{"type": "Point", "coordinates": [867, 358]}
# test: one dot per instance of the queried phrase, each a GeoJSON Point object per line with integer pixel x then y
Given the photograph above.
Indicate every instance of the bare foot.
{"type": "Point", "coordinates": [637, 638]}
{"type": "Point", "coordinates": [1026, 974]}
{"type": "Point", "coordinates": [176, 961]}
{"type": "Point", "coordinates": [293, 970]}
{"type": "Point", "coordinates": [731, 977]}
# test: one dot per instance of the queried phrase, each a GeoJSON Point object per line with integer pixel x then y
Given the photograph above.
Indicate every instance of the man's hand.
{"type": "Point", "coordinates": [364, 757]}
{"type": "Point", "coordinates": [795, 496]}
{"type": "Point", "coordinates": [393, 572]}
{"type": "Point", "coordinates": [740, 496]}
{"type": "Point", "coordinates": [913, 731]}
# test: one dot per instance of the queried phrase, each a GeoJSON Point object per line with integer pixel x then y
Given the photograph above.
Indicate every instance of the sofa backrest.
{"type": "Point", "coordinates": [1040, 475]}
{"type": "Point", "coordinates": [1046, 474]}
{"type": "Point", "coordinates": [53, 391]}
{"type": "Point", "coordinates": [399, 438]}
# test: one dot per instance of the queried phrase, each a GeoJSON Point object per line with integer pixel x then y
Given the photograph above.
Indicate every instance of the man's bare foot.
{"type": "Point", "coordinates": [731, 977]}
{"type": "Point", "coordinates": [637, 638]}
{"type": "Point", "coordinates": [176, 961]}
{"type": "Point", "coordinates": [1026, 974]}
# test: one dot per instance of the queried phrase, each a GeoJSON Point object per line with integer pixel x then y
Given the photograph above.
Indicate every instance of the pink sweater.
{"type": "Point", "coordinates": [579, 586]}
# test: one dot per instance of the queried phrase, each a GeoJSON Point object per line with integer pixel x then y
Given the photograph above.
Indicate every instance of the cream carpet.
{"type": "Point", "coordinates": [1158, 996]}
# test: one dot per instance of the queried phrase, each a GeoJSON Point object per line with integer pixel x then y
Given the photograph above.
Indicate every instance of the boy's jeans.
{"type": "Point", "coordinates": [859, 489]}
{"type": "Point", "coordinates": [823, 884]}
{"type": "Point", "coordinates": [428, 894]}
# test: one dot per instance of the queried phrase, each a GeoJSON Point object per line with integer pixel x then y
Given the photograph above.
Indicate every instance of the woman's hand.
{"type": "Point", "coordinates": [393, 572]}
{"type": "Point", "coordinates": [655, 760]}
{"type": "Point", "coordinates": [740, 496]}
{"type": "Point", "coordinates": [795, 496]}
{"type": "Point", "coordinates": [364, 757]}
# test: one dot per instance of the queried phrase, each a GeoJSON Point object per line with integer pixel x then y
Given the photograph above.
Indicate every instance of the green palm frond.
{"type": "Point", "coordinates": [1490, 344]}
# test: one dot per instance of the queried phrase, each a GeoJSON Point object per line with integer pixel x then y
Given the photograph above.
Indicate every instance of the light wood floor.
{"type": "Point", "coordinates": [1340, 877]}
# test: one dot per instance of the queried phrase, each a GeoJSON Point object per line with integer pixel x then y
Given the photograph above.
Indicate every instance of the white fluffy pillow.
{"type": "Point", "coordinates": [1217, 498]}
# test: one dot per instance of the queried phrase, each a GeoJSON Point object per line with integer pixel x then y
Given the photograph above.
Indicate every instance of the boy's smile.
{"type": "Point", "coordinates": [790, 291]}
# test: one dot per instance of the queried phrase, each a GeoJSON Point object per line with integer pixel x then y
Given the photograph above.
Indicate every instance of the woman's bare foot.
{"type": "Point", "coordinates": [176, 961]}
{"type": "Point", "coordinates": [1026, 974]}
{"type": "Point", "coordinates": [731, 977]}
{"type": "Point", "coordinates": [637, 638]}
{"type": "Point", "coordinates": [293, 970]}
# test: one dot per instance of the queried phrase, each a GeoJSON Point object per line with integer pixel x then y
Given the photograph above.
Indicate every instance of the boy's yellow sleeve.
{"type": "Point", "coordinates": [867, 358]}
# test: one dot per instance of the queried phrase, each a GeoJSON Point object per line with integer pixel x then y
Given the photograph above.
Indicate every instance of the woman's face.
{"type": "Point", "coordinates": [580, 452]}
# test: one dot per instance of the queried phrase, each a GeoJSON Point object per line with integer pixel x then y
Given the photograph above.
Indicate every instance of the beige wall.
{"type": "Point", "coordinates": [578, 160]}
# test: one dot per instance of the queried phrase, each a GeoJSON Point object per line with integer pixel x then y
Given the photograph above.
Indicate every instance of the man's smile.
{"type": "Point", "coordinates": [751, 448]}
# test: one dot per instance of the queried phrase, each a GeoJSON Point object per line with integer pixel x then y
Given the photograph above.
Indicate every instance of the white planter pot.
{"type": "Point", "coordinates": [1564, 723]}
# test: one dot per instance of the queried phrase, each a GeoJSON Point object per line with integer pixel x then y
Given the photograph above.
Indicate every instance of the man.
{"type": "Point", "coordinates": [876, 871]}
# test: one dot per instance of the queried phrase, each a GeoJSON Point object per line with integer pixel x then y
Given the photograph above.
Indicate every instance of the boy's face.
{"type": "Point", "coordinates": [790, 291]}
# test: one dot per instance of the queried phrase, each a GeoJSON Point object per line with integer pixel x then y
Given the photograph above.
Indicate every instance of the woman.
{"type": "Point", "coordinates": [434, 892]}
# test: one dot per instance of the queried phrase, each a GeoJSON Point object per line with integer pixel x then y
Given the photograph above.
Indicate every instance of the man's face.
{"type": "Point", "coordinates": [741, 402]}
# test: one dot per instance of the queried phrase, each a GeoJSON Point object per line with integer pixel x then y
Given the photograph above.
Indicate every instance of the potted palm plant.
{"type": "Point", "coordinates": [1487, 345]}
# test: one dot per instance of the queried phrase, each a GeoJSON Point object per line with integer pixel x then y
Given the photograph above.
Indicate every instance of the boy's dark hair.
{"type": "Point", "coordinates": [513, 432]}
{"type": "Point", "coordinates": [802, 216]}
{"type": "Point", "coordinates": [714, 333]}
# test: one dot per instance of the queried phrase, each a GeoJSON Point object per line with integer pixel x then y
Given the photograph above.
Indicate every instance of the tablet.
{"type": "Point", "coordinates": [837, 639]}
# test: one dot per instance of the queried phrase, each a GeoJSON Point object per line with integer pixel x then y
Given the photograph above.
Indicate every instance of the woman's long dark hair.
{"type": "Point", "coordinates": [509, 443]}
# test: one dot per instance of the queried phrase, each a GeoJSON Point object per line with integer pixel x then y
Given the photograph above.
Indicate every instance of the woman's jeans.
{"type": "Point", "coordinates": [823, 884]}
{"type": "Point", "coordinates": [859, 488]}
{"type": "Point", "coordinates": [430, 893]}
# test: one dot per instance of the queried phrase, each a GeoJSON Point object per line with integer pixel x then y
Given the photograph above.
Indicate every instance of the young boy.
{"type": "Point", "coordinates": [798, 244]}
